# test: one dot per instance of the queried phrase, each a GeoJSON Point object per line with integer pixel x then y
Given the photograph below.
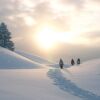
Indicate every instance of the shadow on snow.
{"type": "Point", "coordinates": [69, 86]}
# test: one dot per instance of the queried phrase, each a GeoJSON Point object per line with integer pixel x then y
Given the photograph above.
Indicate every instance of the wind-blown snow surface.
{"type": "Point", "coordinates": [47, 83]}
{"type": "Point", "coordinates": [82, 81]}
{"type": "Point", "coordinates": [33, 57]}
{"type": "Point", "coordinates": [39, 59]}
{"type": "Point", "coordinates": [87, 76]}
{"type": "Point", "coordinates": [32, 84]}
{"type": "Point", "coordinates": [57, 65]}
{"type": "Point", "coordinates": [9, 59]}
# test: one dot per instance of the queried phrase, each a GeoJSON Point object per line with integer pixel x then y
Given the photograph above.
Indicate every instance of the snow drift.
{"type": "Point", "coordinates": [57, 65]}
{"type": "Point", "coordinates": [87, 75]}
{"type": "Point", "coordinates": [33, 57]}
{"type": "Point", "coordinates": [9, 59]}
{"type": "Point", "coordinates": [82, 80]}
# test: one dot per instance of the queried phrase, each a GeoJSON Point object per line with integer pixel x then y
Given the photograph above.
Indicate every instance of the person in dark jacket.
{"type": "Point", "coordinates": [78, 61]}
{"type": "Point", "coordinates": [72, 62]}
{"type": "Point", "coordinates": [61, 63]}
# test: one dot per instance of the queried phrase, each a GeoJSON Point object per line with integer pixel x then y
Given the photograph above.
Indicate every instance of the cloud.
{"type": "Point", "coordinates": [42, 11]}
{"type": "Point", "coordinates": [24, 16]}
{"type": "Point", "coordinates": [21, 14]}
{"type": "Point", "coordinates": [93, 35]}
{"type": "Point", "coordinates": [79, 4]}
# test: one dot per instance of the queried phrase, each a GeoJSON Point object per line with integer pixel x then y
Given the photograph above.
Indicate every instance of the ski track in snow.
{"type": "Point", "coordinates": [70, 87]}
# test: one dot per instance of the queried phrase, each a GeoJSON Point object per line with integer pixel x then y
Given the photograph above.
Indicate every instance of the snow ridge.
{"type": "Point", "coordinates": [12, 60]}
{"type": "Point", "coordinates": [33, 57]}
{"type": "Point", "coordinates": [70, 87]}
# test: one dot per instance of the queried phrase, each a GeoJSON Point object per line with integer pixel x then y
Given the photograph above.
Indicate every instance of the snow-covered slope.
{"type": "Point", "coordinates": [48, 83]}
{"type": "Point", "coordinates": [33, 57]}
{"type": "Point", "coordinates": [9, 59]}
{"type": "Point", "coordinates": [87, 75]}
{"type": "Point", "coordinates": [39, 59]}
{"type": "Point", "coordinates": [57, 65]}
{"type": "Point", "coordinates": [30, 84]}
{"type": "Point", "coordinates": [82, 81]}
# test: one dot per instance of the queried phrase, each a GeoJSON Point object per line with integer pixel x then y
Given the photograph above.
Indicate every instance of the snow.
{"type": "Point", "coordinates": [82, 80]}
{"type": "Point", "coordinates": [29, 84]}
{"type": "Point", "coordinates": [33, 57]}
{"type": "Point", "coordinates": [9, 59]}
{"type": "Point", "coordinates": [87, 75]}
{"type": "Point", "coordinates": [69, 86]}
{"type": "Point", "coordinates": [42, 82]}
{"type": "Point", "coordinates": [57, 65]}
{"type": "Point", "coordinates": [39, 59]}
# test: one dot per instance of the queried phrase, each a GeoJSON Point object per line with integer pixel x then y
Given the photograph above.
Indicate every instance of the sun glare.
{"type": "Point", "coordinates": [46, 37]}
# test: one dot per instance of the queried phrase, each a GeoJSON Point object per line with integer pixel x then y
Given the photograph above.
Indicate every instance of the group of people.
{"type": "Point", "coordinates": [73, 62]}
{"type": "Point", "coordinates": [61, 63]}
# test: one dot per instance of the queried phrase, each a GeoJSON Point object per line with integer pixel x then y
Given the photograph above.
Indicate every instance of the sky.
{"type": "Point", "coordinates": [75, 22]}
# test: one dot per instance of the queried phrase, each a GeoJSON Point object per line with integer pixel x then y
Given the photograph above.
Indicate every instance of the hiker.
{"type": "Point", "coordinates": [78, 61]}
{"type": "Point", "coordinates": [61, 63]}
{"type": "Point", "coordinates": [72, 62]}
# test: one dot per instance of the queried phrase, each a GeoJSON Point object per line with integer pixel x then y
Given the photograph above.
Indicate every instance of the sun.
{"type": "Point", "coordinates": [46, 37]}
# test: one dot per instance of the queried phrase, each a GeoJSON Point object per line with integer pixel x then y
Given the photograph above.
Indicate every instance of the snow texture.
{"type": "Point", "coordinates": [57, 65]}
{"type": "Point", "coordinates": [87, 75]}
{"type": "Point", "coordinates": [29, 84]}
{"type": "Point", "coordinates": [33, 57]}
{"type": "Point", "coordinates": [70, 87]}
{"type": "Point", "coordinates": [79, 82]}
{"type": "Point", "coordinates": [11, 60]}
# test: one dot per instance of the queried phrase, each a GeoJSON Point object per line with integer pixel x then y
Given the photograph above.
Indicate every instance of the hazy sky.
{"type": "Point", "coordinates": [80, 18]}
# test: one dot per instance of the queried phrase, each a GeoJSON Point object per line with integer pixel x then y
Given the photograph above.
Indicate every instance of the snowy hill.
{"type": "Point", "coordinates": [39, 59]}
{"type": "Point", "coordinates": [57, 65]}
{"type": "Point", "coordinates": [9, 59]}
{"type": "Point", "coordinates": [30, 84]}
{"type": "Point", "coordinates": [33, 57]}
{"type": "Point", "coordinates": [80, 82]}
{"type": "Point", "coordinates": [87, 76]}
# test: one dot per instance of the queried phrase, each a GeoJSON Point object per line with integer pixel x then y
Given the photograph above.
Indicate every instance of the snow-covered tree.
{"type": "Point", "coordinates": [5, 37]}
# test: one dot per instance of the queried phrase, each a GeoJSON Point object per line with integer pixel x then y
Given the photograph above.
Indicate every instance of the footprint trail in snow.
{"type": "Point", "coordinates": [70, 87]}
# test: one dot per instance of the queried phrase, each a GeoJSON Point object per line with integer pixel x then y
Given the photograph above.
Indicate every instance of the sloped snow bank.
{"type": "Point", "coordinates": [70, 87]}
{"type": "Point", "coordinates": [87, 75]}
{"type": "Point", "coordinates": [33, 57]}
{"type": "Point", "coordinates": [9, 59]}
